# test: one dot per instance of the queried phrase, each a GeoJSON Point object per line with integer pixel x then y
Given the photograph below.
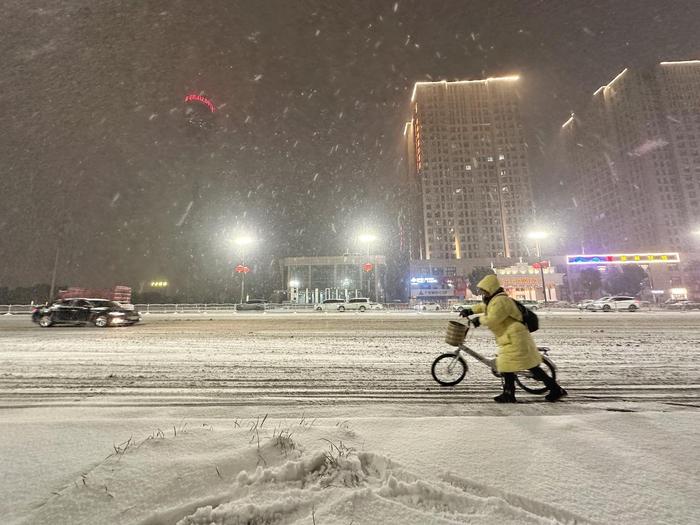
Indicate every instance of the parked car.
{"type": "Point", "coordinates": [435, 307]}
{"type": "Point", "coordinates": [532, 305]}
{"type": "Point", "coordinates": [683, 305]}
{"type": "Point", "coordinates": [329, 305]}
{"type": "Point", "coordinates": [80, 311]}
{"type": "Point", "coordinates": [583, 305]}
{"type": "Point", "coordinates": [358, 304]}
{"type": "Point", "coordinates": [616, 303]}
{"type": "Point", "coordinates": [252, 304]}
{"type": "Point", "coordinates": [466, 304]}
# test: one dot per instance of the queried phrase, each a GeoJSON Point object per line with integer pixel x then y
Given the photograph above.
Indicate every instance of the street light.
{"type": "Point", "coordinates": [537, 236]}
{"type": "Point", "coordinates": [367, 238]}
{"type": "Point", "coordinates": [242, 242]}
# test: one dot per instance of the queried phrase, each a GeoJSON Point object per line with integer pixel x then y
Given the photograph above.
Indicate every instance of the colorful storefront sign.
{"type": "Point", "coordinates": [623, 258]}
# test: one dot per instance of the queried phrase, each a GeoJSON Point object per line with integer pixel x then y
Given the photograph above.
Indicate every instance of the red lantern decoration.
{"type": "Point", "coordinates": [368, 267]}
{"type": "Point", "coordinates": [242, 269]}
{"type": "Point", "coordinates": [202, 100]}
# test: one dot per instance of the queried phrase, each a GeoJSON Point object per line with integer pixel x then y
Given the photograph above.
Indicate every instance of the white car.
{"type": "Point", "coordinates": [615, 303]}
{"type": "Point", "coordinates": [329, 305]}
{"type": "Point", "coordinates": [462, 306]}
{"type": "Point", "coordinates": [359, 304]}
{"type": "Point", "coordinates": [532, 305]}
{"type": "Point", "coordinates": [683, 305]}
{"type": "Point", "coordinates": [434, 307]}
{"type": "Point", "coordinates": [584, 304]}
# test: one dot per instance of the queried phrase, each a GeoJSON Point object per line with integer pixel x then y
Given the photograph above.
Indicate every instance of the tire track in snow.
{"type": "Point", "coordinates": [545, 511]}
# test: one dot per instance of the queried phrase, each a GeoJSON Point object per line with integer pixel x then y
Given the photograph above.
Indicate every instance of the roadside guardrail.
{"type": "Point", "coordinates": [16, 309]}
{"type": "Point", "coordinates": [204, 308]}
{"type": "Point", "coordinates": [193, 308]}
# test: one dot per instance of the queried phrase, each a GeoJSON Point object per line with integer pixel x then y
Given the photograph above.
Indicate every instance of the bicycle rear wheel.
{"type": "Point", "coordinates": [531, 385]}
{"type": "Point", "coordinates": [449, 369]}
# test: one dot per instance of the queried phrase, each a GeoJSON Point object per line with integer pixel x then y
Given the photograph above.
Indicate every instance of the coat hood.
{"type": "Point", "coordinates": [490, 284]}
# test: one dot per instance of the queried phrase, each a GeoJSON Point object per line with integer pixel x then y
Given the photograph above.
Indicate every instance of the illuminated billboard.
{"type": "Point", "coordinates": [624, 258]}
{"type": "Point", "coordinates": [423, 280]}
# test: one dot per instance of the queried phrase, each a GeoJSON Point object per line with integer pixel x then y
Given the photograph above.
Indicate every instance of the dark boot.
{"type": "Point", "coordinates": [556, 394]}
{"type": "Point", "coordinates": [555, 391]}
{"type": "Point", "coordinates": [505, 397]}
{"type": "Point", "coordinates": [508, 395]}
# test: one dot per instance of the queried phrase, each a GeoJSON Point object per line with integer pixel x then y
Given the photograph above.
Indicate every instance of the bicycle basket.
{"type": "Point", "coordinates": [456, 332]}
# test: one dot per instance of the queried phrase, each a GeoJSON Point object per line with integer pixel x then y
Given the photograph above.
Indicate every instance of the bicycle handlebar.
{"type": "Point", "coordinates": [470, 323]}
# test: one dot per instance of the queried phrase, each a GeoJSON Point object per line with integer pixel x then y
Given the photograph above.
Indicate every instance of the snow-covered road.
{"type": "Point", "coordinates": [375, 360]}
{"type": "Point", "coordinates": [165, 422]}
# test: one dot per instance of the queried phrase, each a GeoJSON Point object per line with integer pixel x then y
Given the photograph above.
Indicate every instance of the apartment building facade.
{"type": "Point", "coordinates": [633, 158]}
{"type": "Point", "coordinates": [468, 190]}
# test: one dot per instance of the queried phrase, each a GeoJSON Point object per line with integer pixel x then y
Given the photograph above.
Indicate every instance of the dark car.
{"type": "Point", "coordinates": [99, 312]}
{"type": "Point", "coordinates": [253, 304]}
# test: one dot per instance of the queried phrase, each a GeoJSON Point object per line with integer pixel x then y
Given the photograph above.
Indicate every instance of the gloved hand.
{"type": "Point", "coordinates": [476, 322]}
{"type": "Point", "coordinates": [466, 312]}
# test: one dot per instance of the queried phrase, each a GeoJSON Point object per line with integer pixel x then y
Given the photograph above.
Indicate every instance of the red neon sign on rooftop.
{"type": "Point", "coordinates": [202, 100]}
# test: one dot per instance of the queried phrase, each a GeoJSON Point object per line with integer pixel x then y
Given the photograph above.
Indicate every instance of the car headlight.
{"type": "Point", "coordinates": [117, 313]}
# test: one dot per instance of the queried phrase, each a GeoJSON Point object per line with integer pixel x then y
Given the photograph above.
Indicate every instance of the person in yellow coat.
{"type": "Point", "coordinates": [517, 349]}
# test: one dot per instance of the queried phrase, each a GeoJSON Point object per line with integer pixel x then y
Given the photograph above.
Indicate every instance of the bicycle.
{"type": "Point", "coordinates": [449, 369]}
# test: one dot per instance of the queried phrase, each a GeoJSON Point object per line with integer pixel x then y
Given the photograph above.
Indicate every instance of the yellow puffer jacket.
{"type": "Point", "coordinates": [517, 349]}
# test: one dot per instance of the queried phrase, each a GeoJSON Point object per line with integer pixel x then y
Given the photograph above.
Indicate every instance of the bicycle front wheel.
{"type": "Point", "coordinates": [529, 384]}
{"type": "Point", "coordinates": [449, 369]}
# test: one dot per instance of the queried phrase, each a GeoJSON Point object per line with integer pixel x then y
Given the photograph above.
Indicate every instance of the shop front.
{"type": "Point", "coordinates": [523, 281]}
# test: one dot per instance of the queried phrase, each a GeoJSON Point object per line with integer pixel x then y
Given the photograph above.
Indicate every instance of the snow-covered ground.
{"type": "Point", "coordinates": [166, 422]}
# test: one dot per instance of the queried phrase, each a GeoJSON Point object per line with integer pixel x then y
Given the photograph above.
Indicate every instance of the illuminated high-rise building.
{"type": "Point", "coordinates": [633, 157]}
{"type": "Point", "coordinates": [469, 193]}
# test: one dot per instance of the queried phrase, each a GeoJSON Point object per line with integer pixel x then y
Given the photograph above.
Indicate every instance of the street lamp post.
{"type": "Point", "coordinates": [53, 274]}
{"type": "Point", "coordinates": [537, 237]}
{"type": "Point", "coordinates": [367, 239]}
{"type": "Point", "coordinates": [243, 286]}
{"type": "Point", "coordinates": [242, 242]}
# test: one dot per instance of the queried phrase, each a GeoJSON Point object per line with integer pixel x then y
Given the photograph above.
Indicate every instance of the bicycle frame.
{"type": "Point", "coordinates": [491, 363]}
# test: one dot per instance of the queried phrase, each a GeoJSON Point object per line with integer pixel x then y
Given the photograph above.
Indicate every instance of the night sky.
{"type": "Point", "coordinates": [305, 147]}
